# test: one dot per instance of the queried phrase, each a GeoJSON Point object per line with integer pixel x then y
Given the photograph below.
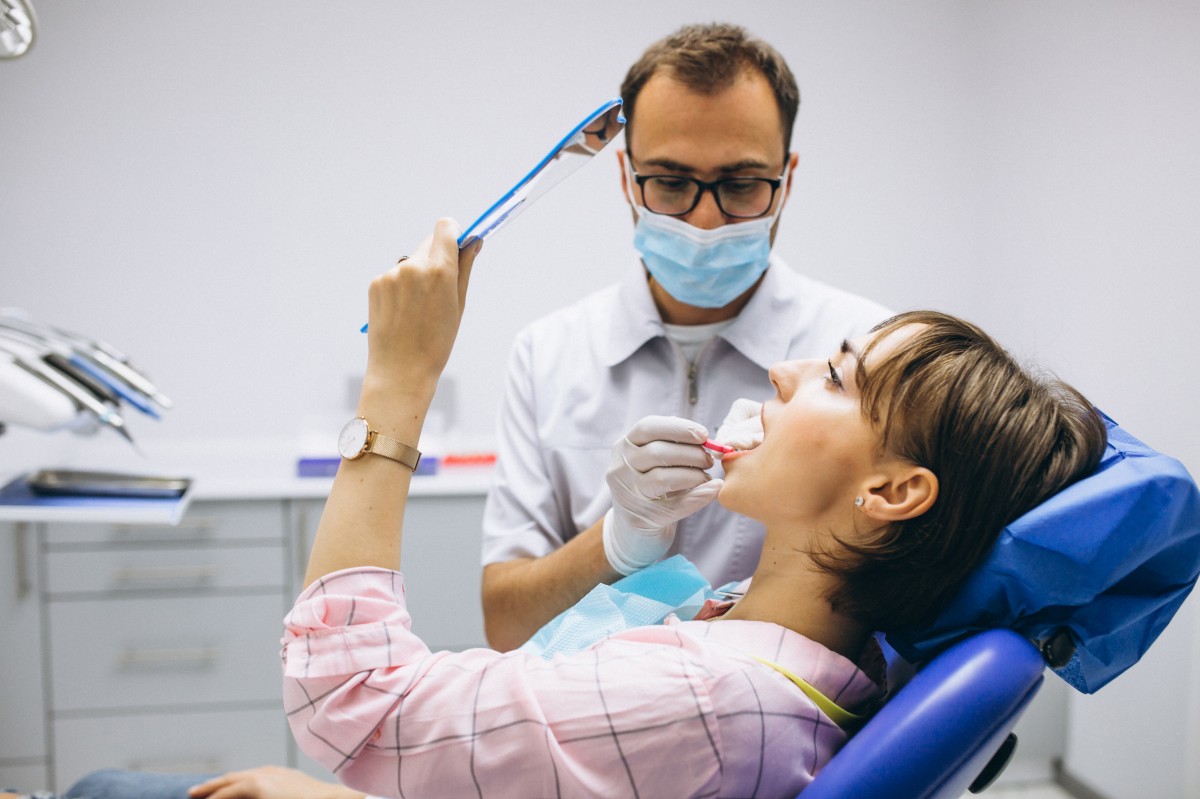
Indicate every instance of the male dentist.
{"type": "Point", "coordinates": [655, 362]}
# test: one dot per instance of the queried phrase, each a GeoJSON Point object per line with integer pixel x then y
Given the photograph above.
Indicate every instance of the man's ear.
{"type": "Point", "coordinates": [793, 160]}
{"type": "Point", "coordinates": [621, 156]}
{"type": "Point", "coordinates": [903, 491]}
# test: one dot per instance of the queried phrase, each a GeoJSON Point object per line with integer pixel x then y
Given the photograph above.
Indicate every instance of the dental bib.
{"type": "Point", "coordinates": [643, 598]}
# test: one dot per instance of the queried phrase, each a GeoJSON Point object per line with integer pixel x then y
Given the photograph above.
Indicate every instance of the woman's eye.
{"type": "Point", "coordinates": [833, 376]}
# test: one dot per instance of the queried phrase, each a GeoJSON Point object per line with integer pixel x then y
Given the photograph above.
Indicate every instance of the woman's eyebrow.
{"type": "Point", "coordinates": [849, 349]}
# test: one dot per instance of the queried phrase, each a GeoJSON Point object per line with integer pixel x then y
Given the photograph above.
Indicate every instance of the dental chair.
{"type": "Point", "coordinates": [1084, 584]}
{"type": "Point", "coordinates": [947, 731]}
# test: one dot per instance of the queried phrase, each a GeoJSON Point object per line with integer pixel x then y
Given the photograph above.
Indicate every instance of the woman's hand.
{"type": "Point", "coordinates": [270, 782]}
{"type": "Point", "coordinates": [414, 311]}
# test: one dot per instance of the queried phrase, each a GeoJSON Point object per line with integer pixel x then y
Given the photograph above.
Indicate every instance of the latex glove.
{"type": "Point", "coordinates": [656, 477]}
{"type": "Point", "coordinates": [742, 428]}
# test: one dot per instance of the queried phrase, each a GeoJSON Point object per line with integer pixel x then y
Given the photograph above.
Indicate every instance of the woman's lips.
{"type": "Point", "coordinates": [740, 453]}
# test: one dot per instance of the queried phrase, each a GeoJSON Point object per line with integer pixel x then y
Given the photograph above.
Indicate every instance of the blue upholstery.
{"type": "Point", "coordinates": [1108, 560]}
{"type": "Point", "coordinates": [1092, 575]}
{"type": "Point", "coordinates": [937, 733]}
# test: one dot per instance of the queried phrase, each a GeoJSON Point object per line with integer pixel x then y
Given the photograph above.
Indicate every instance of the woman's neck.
{"type": "Point", "coordinates": [789, 590]}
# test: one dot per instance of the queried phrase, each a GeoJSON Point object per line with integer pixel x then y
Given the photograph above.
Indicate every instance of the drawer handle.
{"type": "Point", "coordinates": [179, 659]}
{"type": "Point", "coordinates": [196, 527]}
{"type": "Point", "coordinates": [211, 765]}
{"type": "Point", "coordinates": [170, 576]}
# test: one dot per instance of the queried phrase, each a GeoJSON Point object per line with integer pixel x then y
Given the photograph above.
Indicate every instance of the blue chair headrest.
{"type": "Point", "coordinates": [1109, 559]}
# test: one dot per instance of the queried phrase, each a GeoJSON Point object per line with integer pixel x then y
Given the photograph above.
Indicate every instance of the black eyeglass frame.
{"type": "Point", "coordinates": [709, 186]}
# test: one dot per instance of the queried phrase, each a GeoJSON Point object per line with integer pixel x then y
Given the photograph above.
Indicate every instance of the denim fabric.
{"type": "Point", "coordinates": [116, 784]}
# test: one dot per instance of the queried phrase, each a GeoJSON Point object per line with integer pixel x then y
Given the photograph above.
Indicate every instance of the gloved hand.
{"type": "Point", "coordinates": [742, 428]}
{"type": "Point", "coordinates": [656, 477]}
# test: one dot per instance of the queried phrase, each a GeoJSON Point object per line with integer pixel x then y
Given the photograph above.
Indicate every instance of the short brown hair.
{"type": "Point", "coordinates": [707, 59]}
{"type": "Point", "coordinates": [1000, 438]}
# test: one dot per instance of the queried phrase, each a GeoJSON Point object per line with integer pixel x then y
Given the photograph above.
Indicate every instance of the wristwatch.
{"type": "Point", "coordinates": [357, 438]}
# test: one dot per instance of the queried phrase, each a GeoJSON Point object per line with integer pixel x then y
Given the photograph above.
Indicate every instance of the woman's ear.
{"type": "Point", "coordinates": [902, 492]}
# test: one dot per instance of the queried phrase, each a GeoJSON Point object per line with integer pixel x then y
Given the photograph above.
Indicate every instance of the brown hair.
{"type": "Point", "coordinates": [707, 59]}
{"type": "Point", "coordinates": [1001, 440]}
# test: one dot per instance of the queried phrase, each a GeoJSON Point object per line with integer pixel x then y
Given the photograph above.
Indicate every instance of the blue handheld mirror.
{"type": "Point", "coordinates": [583, 141]}
{"type": "Point", "coordinates": [574, 150]}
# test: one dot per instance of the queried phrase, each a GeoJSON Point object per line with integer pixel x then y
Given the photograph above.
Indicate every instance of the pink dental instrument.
{"type": "Point", "coordinates": [720, 449]}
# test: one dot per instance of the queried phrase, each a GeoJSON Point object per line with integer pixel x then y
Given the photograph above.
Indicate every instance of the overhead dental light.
{"type": "Point", "coordinates": [18, 28]}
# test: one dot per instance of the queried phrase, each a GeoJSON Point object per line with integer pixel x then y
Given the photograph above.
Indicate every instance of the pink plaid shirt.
{"type": "Point", "coordinates": [679, 709]}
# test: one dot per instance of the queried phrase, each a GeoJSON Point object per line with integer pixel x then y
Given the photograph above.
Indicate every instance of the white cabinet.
{"type": "Point", "coordinates": [23, 747]}
{"type": "Point", "coordinates": [157, 647]}
{"type": "Point", "coordinates": [162, 641]}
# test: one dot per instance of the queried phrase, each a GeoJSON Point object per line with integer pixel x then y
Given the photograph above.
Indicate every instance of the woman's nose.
{"type": "Point", "coordinates": [784, 376]}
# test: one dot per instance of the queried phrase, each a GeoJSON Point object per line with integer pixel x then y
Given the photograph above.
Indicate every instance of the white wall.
{"type": "Point", "coordinates": [210, 188]}
{"type": "Point", "coordinates": [1090, 195]}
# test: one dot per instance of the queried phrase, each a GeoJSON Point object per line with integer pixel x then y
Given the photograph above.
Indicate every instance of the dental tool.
{"type": "Point", "coordinates": [716, 448]}
{"type": "Point", "coordinates": [101, 360]}
{"type": "Point", "coordinates": [28, 400]}
{"type": "Point", "coordinates": [29, 359]}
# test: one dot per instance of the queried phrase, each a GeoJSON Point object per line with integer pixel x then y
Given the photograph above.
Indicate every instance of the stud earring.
{"type": "Point", "coordinates": [858, 502]}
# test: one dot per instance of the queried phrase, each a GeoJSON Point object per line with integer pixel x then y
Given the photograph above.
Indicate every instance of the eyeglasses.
{"type": "Point", "coordinates": [740, 198]}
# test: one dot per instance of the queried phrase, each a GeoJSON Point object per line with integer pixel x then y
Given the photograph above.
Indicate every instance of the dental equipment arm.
{"type": "Point", "coordinates": [414, 313]}
{"type": "Point", "coordinates": [28, 400]}
{"type": "Point", "coordinates": [30, 358]}
{"type": "Point", "coordinates": [104, 361]}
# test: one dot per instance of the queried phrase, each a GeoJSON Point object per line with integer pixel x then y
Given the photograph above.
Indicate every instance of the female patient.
{"type": "Point", "coordinates": [884, 474]}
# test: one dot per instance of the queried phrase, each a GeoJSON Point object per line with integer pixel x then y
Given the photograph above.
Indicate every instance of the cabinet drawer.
{"type": "Point", "coordinates": [203, 742]}
{"type": "Point", "coordinates": [164, 569]}
{"type": "Point", "coordinates": [27, 777]}
{"type": "Point", "coordinates": [204, 522]}
{"type": "Point", "coordinates": [167, 651]}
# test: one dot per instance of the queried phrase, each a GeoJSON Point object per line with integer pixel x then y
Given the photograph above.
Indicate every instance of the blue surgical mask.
{"type": "Point", "coordinates": [704, 268]}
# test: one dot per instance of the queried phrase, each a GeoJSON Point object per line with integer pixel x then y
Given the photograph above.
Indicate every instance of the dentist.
{"type": "Point", "coordinates": [700, 318]}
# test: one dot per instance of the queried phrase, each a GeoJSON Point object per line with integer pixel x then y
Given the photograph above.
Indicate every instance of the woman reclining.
{"type": "Point", "coordinates": [884, 474]}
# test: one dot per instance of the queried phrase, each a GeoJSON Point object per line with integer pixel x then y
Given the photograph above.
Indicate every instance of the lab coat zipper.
{"type": "Point", "coordinates": [694, 375]}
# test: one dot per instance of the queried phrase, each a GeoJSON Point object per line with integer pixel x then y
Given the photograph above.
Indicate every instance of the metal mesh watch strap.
{"type": "Point", "coordinates": [391, 448]}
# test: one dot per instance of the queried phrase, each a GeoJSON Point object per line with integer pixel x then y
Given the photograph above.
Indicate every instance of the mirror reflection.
{"type": "Point", "coordinates": [585, 140]}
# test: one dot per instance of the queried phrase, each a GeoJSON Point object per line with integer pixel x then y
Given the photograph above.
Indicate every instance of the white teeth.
{"type": "Point", "coordinates": [742, 428]}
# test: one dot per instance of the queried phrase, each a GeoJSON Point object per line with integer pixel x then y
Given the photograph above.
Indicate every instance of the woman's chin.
{"type": "Point", "coordinates": [727, 497]}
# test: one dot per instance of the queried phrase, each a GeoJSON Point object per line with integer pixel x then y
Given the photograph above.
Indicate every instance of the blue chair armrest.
{"type": "Point", "coordinates": [933, 738]}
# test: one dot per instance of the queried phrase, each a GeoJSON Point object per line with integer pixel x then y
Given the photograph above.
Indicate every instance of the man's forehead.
{"type": "Point", "coordinates": [736, 127]}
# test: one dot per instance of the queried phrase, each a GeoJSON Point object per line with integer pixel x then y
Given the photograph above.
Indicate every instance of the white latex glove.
{"type": "Point", "coordinates": [656, 477]}
{"type": "Point", "coordinates": [742, 428]}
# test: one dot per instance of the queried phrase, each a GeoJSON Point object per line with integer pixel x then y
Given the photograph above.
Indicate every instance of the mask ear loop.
{"type": "Point", "coordinates": [782, 192]}
{"type": "Point", "coordinates": [634, 190]}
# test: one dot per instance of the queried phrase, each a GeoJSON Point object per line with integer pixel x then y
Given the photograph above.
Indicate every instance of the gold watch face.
{"type": "Point", "coordinates": [353, 439]}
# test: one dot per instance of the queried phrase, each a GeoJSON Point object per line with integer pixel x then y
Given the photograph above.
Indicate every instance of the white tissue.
{"type": "Point", "coordinates": [742, 428]}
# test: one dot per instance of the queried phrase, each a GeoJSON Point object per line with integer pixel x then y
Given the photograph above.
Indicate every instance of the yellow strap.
{"type": "Point", "coordinates": [841, 717]}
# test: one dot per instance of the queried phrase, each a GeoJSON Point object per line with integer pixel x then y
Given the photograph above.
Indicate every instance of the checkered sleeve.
{"type": "Point", "coordinates": [370, 701]}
